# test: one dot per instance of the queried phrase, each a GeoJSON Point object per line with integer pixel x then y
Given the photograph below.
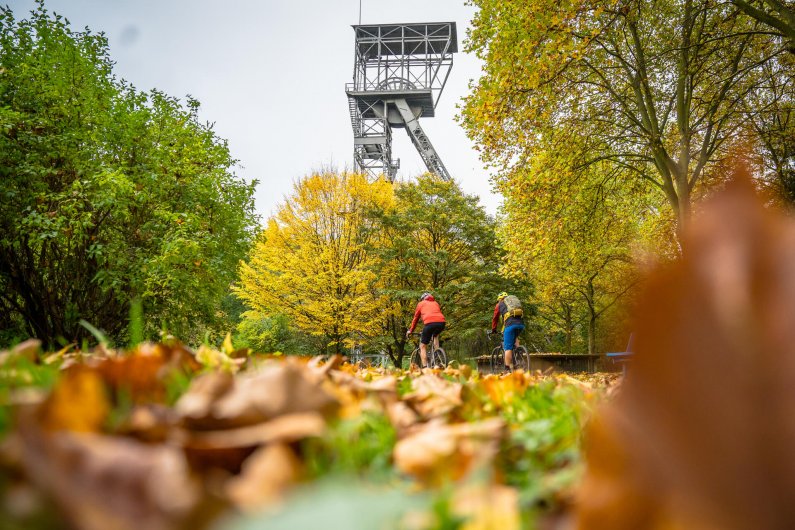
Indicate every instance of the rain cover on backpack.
{"type": "Point", "coordinates": [513, 305]}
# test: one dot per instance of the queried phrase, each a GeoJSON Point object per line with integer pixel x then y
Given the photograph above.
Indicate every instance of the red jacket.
{"type": "Point", "coordinates": [496, 318]}
{"type": "Point", "coordinates": [429, 311]}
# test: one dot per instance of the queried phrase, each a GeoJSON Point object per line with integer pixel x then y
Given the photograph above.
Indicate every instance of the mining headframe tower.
{"type": "Point", "coordinates": [399, 73]}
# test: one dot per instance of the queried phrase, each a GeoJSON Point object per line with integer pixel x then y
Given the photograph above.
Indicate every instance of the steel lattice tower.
{"type": "Point", "coordinates": [398, 75]}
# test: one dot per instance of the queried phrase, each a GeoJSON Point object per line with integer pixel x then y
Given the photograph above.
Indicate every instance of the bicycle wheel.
{"type": "Point", "coordinates": [521, 359]}
{"type": "Point", "coordinates": [415, 359]}
{"type": "Point", "coordinates": [496, 359]}
{"type": "Point", "coordinates": [439, 359]}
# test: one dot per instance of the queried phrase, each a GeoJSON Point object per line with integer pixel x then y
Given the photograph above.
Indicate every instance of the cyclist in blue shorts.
{"type": "Point", "coordinates": [509, 311]}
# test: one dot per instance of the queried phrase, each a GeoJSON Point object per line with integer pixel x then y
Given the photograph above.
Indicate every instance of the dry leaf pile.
{"type": "Point", "coordinates": [113, 444]}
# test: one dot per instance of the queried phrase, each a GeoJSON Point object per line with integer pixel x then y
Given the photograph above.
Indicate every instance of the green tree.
{"type": "Point", "coordinates": [108, 194]}
{"type": "Point", "coordinates": [438, 239]}
{"type": "Point", "coordinates": [655, 85]}
{"type": "Point", "coordinates": [771, 113]}
{"type": "Point", "coordinates": [778, 14]}
{"type": "Point", "coordinates": [573, 230]}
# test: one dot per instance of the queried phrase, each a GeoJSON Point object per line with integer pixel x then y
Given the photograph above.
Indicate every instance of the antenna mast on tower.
{"type": "Point", "coordinates": [399, 73]}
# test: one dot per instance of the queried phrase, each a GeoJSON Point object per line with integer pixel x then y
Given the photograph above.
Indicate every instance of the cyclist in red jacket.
{"type": "Point", "coordinates": [433, 323]}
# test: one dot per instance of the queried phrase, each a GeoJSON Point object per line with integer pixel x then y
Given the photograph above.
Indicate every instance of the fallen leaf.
{"type": "Point", "coordinates": [278, 389]}
{"type": "Point", "coordinates": [433, 396]}
{"type": "Point", "coordinates": [137, 375]}
{"type": "Point", "coordinates": [401, 416]}
{"type": "Point", "coordinates": [104, 482]}
{"type": "Point", "coordinates": [151, 423]}
{"type": "Point", "coordinates": [265, 477]}
{"type": "Point", "coordinates": [78, 402]}
{"type": "Point", "coordinates": [195, 405]}
{"type": "Point", "coordinates": [437, 452]}
{"type": "Point", "coordinates": [487, 507]}
{"type": "Point", "coordinates": [29, 349]}
{"type": "Point", "coordinates": [705, 417]}
{"type": "Point", "coordinates": [286, 428]}
{"type": "Point", "coordinates": [212, 358]}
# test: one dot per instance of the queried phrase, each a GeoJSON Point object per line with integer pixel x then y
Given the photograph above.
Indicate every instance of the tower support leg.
{"type": "Point", "coordinates": [421, 140]}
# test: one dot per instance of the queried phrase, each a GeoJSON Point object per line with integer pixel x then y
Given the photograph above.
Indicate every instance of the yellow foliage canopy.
{"type": "Point", "coordinates": [311, 262]}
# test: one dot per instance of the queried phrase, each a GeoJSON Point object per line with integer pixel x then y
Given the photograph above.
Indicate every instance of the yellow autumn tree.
{"type": "Point", "coordinates": [313, 263]}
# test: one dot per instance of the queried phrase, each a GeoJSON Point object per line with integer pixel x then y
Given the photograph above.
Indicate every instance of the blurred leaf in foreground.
{"type": "Point", "coordinates": [703, 433]}
{"type": "Point", "coordinates": [343, 506]}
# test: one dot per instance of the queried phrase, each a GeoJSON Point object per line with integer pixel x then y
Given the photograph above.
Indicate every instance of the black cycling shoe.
{"type": "Point", "coordinates": [507, 369]}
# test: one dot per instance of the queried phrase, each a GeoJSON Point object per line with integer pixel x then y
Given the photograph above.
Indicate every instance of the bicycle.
{"type": "Point", "coordinates": [364, 360]}
{"type": "Point", "coordinates": [437, 357]}
{"type": "Point", "coordinates": [357, 355]}
{"type": "Point", "coordinates": [520, 356]}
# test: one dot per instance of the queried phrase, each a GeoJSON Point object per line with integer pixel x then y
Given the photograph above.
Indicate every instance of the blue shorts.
{"type": "Point", "coordinates": [509, 335]}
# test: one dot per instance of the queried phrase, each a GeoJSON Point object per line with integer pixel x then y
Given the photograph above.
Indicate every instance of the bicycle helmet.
{"type": "Point", "coordinates": [501, 296]}
{"type": "Point", "coordinates": [424, 296]}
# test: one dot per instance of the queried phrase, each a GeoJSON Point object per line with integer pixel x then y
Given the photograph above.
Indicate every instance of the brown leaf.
{"type": "Point", "coordinates": [103, 482]}
{"type": "Point", "coordinates": [705, 417]}
{"type": "Point", "coordinates": [612, 495]}
{"type": "Point", "coordinates": [437, 452]}
{"type": "Point", "coordinates": [139, 375]}
{"type": "Point", "coordinates": [195, 406]}
{"type": "Point", "coordinates": [280, 388]}
{"type": "Point", "coordinates": [401, 416]}
{"type": "Point", "coordinates": [29, 349]}
{"type": "Point", "coordinates": [433, 396]}
{"type": "Point", "coordinates": [174, 353]}
{"type": "Point", "coordinates": [265, 477]}
{"type": "Point", "coordinates": [151, 423]}
{"type": "Point", "coordinates": [286, 428]}
{"type": "Point", "coordinates": [320, 367]}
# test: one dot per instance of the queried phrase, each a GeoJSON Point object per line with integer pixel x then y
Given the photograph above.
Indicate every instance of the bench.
{"type": "Point", "coordinates": [623, 357]}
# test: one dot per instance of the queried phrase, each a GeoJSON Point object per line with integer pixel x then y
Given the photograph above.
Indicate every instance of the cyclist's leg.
{"type": "Point", "coordinates": [425, 339]}
{"type": "Point", "coordinates": [437, 354]}
{"type": "Point", "coordinates": [430, 335]}
{"type": "Point", "coordinates": [521, 359]}
{"type": "Point", "coordinates": [511, 338]}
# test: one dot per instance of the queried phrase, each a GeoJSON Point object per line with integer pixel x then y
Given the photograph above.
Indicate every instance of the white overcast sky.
{"type": "Point", "coordinates": [271, 75]}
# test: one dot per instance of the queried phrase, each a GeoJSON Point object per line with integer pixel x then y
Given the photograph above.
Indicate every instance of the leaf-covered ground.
{"type": "Point", "coordinates": [163, 437]}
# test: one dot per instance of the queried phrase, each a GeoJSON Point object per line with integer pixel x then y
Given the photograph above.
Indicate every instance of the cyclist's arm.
{"type": "Point", "coordinates": [495, 318]}
{"type": "Point", "coordinates": [416, 318]}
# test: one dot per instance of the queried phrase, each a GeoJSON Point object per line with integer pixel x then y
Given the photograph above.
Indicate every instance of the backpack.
{"type": "Point", "coordinates": [513, 307]}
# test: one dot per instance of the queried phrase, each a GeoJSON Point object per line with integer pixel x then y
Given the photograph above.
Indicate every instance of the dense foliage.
{"type": "Point", "coordinates": [574, 233]}
{"type": "Point", "coordinates": [345, 260]}
{"type": "Point", "coordinates": [312, 261]}
{"type": "Point", "coordinates": [439, 239]}
{"type": "Point", "coordinates": [605, 121]}
{"type": "Point", "coordinates": [652, 87]}
{"type": "Point", "coordinates": [107, 194]}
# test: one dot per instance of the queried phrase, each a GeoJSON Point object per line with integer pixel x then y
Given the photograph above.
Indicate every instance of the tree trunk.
{"type": "Point", "coordinates": [592, 316]}
{"type": "Point", "coordinates": [569, 326]}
